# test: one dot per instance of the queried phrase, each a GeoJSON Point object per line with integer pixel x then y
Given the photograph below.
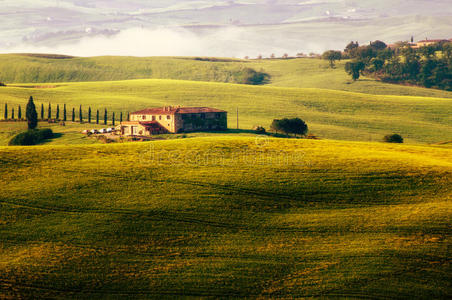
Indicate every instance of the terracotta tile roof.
{"type": "Point", "coordinates": [174, 110]}
{"type": "Point", "coordinates": [155, 111]}
{"type": "Point", "coordinates": [197, 110]}
{"type": "Point", "coordinates": [432, 41]}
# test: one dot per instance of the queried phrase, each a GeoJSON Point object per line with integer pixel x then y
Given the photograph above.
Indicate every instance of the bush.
{"type": "Point", "coordinates": [259, 129]}
{"type": "Point", "coordinates": [251, 76]}
{"type": "Point", "coordinates": [31, 137]}
{"type": "Point", "coordinates": [44, 134]}
{"type": "Point", "coordinates": [393, 138]}
{"type": "Point", "coordinates": [2, 84]}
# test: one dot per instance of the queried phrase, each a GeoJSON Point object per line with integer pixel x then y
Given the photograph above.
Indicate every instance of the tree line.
{"type": "Point", "coordinates": [80, 115]}
{"type": "Point", "coordinates": [428, 66]}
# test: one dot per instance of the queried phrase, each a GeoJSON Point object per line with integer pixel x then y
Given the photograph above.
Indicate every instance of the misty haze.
{"type": "Point", "coordinates": [213, 28]}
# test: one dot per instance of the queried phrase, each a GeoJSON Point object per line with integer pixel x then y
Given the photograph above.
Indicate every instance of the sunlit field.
{"type": "Point", "coordinates": [226, 216]}
{"type": "Point", "coordinates": [328, 113]}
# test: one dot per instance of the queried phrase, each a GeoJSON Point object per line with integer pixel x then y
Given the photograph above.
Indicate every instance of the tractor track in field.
{"type": "Point", "coordinates": [178, 217]}
{"type": "Point", "coordinates": [6, 284]}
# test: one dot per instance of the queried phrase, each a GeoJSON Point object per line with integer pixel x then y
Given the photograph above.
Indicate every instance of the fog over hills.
{"type": "Point", "coordinates": [214, 27]}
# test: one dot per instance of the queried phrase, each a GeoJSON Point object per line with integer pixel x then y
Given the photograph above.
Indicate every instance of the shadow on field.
{"type": "Point", "coordinates": [55, 136]}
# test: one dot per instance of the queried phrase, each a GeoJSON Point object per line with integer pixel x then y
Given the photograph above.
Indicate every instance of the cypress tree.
{"type": "Point", "coordinates": [19, 113]}
{"type": "Point", "coordinates": [128, 117]}
{"type": "Point", "coordinates": [12, 113]}
{"type": "Point", "coordinates": [64, 113]}
{"type": "Point", "coordinates": [58, 112]}
{"type": "Point", "coordinates": [113, 118]}
{"type": "Point", "coordinates": [105, 117]}
{"type": "Point", "coordinates": [89, 114]}
{"type": "Point", "coordinates": [73, 114]}
{"type": "Point", "coordinates": [42, 111]}
{"type": "Point", "coordinates": [120, 118]}
{"type": "Point", "coordinates": [6, 111]}
{"type": "Point", "coordinates": [49, 113]}
{"type": "Point", "coordinates": [97, 117]}
{"type": "Point", "coordinates": [80, 113]}
{"type": "Point", "coordinates": [31, 114]}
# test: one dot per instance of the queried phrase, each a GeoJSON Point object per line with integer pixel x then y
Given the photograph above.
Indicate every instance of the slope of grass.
{"type": "Point", "coordinates": [329, 114]}
{"type": "Point", "coordinates": [219, 216]}
{"type": "Point", "coordinates": [304, 73]}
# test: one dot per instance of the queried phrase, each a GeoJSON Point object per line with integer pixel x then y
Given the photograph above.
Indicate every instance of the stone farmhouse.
{"type": "Point", "coordinates": [171, 119]}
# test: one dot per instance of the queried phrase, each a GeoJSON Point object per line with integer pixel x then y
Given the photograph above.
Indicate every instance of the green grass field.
{"type": "Point", "coordinates": [329, 113]}
{"type": "Point", "coordinates": [229, 214]}
{"type": "Point", "coordinates": [226, 216]}
{"type": "Point", "coordinates": [300, 73]}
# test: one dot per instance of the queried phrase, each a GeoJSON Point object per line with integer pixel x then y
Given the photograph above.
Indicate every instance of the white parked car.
{"type": "Point", "coordinates": [85, 131]}
{"type": "Point", "coordinates": [103, 130]}
{"type": "Point", "coordinates": [109, 130]}
{"type": "Point", "coordinates": [94, 131]}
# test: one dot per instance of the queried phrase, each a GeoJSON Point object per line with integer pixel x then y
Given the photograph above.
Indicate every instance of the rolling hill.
{"type": "Point", "coordinates": [301, 73]}
{"type": "Point", "coordinates": [329, 114]}
{"type": "Point", "coordinates": [226, 216]}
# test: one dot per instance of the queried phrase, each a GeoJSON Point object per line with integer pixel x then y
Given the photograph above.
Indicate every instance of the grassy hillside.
{"type": "Point", "coordinates": [304, 73]}
{"type": "Point", "coordinates": [226, 217]}
{"type": "Point", "coordinates": [330, 114]}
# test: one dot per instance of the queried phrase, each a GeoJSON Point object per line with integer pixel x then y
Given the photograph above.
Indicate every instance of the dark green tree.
{"type": "Point", "coordinates": [89, 114]}
{"type": "Point", "coordinates": [73, 114]}
{"type": "Point", "coordinates": [31, 114]}
{"type": "Point", "coordinates": [105, 117]}
{"type": "Point", "coordinates": [57, 116]}
{"type": "Point", "coordinates": [80, 114]}
{"type": "Point", "coordinates": [6, 111]}
{"type": "Point", "coordinates": [49, 112]}
{"type": "Point", "coordinates": [354, 68]}
{"type": "Point", "coordinates": [97, 116]}
{"type": "Point", "coordinates": [19, 113]}
{"type": "Point", "coordinates": [378, 45]}
{"type": "Point", "coordinates": [113, 119]}
{"type": "Point", "coordinates": [12, 113]}
{"type": "Point", "coordinates": [128, 116]}
{"type": "Point", "coordinates": [426, 73]}
{"type": "Point", "coordinates": [42, 111]}
{"type": "Point", "coordinates": [64, 113]}
{"type": "Point", "coordinates": [290, 126]}
{"type": "Point", "coordinates": [393, 138]}
{"type": "Point", "coordinates": [332, 56]}
{"type": "Point", "coordinates": [350, 48]}
{"type": "Point", "coordinates": [120, 118]}
{"type": "Point", "coordinates": [427, 51]}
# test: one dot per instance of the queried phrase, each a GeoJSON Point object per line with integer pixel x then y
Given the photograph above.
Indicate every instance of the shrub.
{"type": "Point", "coordinates": [31, 137]}
{"type": "Point", "coordinates": [251, 76]}
{"type": "Point", "coordinates": [393, 138]}
{"type": "Point", "coordinates": [259, 129]}
{"type": "Point", "coordinates": [44, 134]}
{"type": "Point", "coordinates": [2, 84]}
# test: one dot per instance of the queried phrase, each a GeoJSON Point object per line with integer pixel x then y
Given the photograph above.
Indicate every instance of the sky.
{"type": "Point", "coordinates": [226, 28]}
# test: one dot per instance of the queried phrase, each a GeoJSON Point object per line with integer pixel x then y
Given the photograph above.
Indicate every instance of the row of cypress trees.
{"type": "Point", "coordinates": [62, 116]}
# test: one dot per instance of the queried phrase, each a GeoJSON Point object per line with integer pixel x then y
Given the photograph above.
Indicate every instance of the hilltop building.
{"type": "Point", "coordinates": [422, 43]}
{"type": "Point", "coordinates": [171, 119]}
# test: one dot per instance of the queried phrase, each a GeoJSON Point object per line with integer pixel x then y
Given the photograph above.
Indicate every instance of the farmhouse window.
{"type": "Point", "coordinates": [153, 118]}
{"type": "Point", "coordinates": [217, 115]}
{"type": "Point", "coordinates": [143, 117]}
{"type": "Point", "coordinates": [168, 117]}
{"type": "Point", "coordinates": [160, 117]}
{"type": "Point", "coordinates": [203, 116]}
